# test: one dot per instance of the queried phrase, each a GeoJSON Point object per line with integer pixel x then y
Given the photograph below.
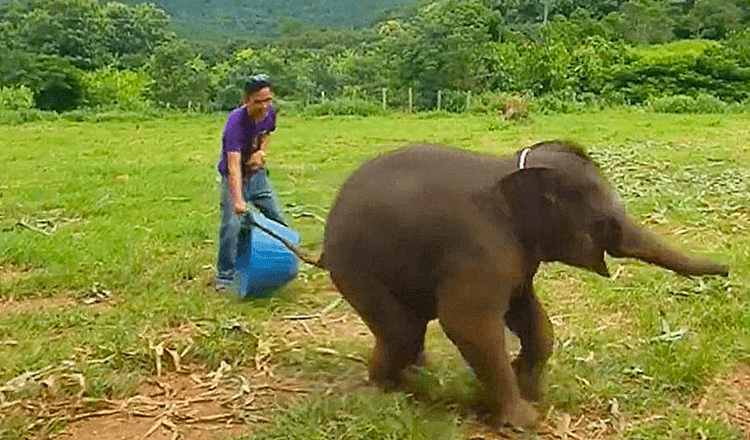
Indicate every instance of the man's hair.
{"type": "Point", "coordinates": [257, 83]}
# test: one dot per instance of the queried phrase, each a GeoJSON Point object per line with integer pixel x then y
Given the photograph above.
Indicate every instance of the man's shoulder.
{"type": "Point", "coordinates": [236, 116]}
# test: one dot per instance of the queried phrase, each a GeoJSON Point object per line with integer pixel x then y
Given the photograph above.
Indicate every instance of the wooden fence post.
{"type": "Point", "coordinates": [440, 100]}
{"type": "Point", "coordinates": [385, 92]}
{"type": "Point", "coordinates": [411, 101]}
{"type": "Point", "coordinates": [468, 100]}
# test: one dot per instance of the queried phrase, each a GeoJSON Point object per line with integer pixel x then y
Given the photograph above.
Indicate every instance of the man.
{"type": "Point", "coordinates": [243, 174]}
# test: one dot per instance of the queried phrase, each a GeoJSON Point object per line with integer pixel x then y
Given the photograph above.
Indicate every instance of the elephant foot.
{"type": "Point", "coordinates": [520, 415]}
{"type": "Point", "coordinates": [388, 380]}
{"type": "Point", "coordinates": [528, 379]}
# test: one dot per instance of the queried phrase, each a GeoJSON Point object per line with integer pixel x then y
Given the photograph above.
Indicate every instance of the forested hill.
{"type": "Point", "coordinates": [212, 19]}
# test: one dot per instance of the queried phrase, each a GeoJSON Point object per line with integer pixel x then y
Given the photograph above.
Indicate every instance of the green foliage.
{"type": "Point", "coordinates": [86, 33]}
{"type": "Point", "coordinates": [433, 50]}
{"type": "Point", "coordinates": [55, 83]}
{"type": "Point", "coordinates": [133, 32]}
{"type": "Point", "coordinates": [181, 77]}
{"type": "Point", "coordinates": [552, 51]}
{"type": "Point", "coordinates": [16, 98]}
{"type": "Point", "coordinates": [222, 20]}
{"type": "Point", "coordinates": [345, 107]}
{"type": "Point", "coordinates": [291, 79]}
{"type": "Point", "coordinates": [702, 103]}
{"type": "Point", "coordinates": [682, 68]}
{"type": "Point", "coordinates": [568, 101]}
{"type": "Point", "coordinates": [714, 19]}
{"type": "Point", "coordinates": [646, 21]}
{"type": "Point", "coordinates": [109, 87]}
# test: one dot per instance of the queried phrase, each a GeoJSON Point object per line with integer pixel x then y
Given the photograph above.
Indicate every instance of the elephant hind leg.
{"type": "Point", "coordinates": [528, 320]}
{"type": "Point", "coordinates": [472, 314]}
{"type": "Point", "coordinates": [399, 334]}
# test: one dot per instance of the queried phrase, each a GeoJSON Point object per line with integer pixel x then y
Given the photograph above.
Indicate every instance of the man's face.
{"type": "Point", "coordinates": [259, 103]}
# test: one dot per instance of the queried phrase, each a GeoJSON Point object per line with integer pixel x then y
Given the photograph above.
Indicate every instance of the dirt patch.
{"type": "Point", "coordinates": [9, 274]}
{"type": "Point", "coordinates": [11, 306]}
{"type": "Point", "coordinates": [96, 300]}
{"type": "Point", "coordinates": [191, 404]}
{"type": "Point", "coordinates": [729, 398]}
{"type": "Point", "coordinates": [592, 424]}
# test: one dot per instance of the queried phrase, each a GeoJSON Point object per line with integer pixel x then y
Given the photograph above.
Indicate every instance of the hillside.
{"type": "Point", "coordinates": [220, 19]}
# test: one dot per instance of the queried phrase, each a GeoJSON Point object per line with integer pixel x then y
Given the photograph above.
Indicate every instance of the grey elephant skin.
{"type": "Point", "coordinates": [430, 232]}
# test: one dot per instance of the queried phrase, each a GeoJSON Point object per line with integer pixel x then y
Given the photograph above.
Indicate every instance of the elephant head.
{"type": "Point", "coordinates": [563, 210]}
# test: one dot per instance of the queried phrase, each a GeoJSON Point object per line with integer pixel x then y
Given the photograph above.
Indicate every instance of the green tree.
{"type": "Point", "coordinates": [714, 19]}
{"type": "Point", "coordinates": [71, 29]}
{"type": "Point", "coordinates": [180, 77]}
{"type": "Point", "coordinates": [133, 32]}
{"type": "Point", "coordinates": [54, 82]}
{"type": "Point", "coordinates": [436, 47]}
{"type": "Point", "coordinates": [85, 32]}
{"type": "Point", "coordinates": [646, 21]}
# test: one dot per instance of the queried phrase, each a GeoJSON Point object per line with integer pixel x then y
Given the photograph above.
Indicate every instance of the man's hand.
{"type": "Point", "coordinates": [240, 207]}
{"type": "Point", "coordinates": [257, 159]}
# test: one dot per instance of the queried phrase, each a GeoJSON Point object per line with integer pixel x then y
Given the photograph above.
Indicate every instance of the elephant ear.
{"type": "Point", "coordinates": [530, 195]}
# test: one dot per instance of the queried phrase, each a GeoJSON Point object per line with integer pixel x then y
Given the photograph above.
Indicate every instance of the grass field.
{"type": "Point", "coordinates": [109, 327]}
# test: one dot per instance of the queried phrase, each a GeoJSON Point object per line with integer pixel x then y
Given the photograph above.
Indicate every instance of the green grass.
{"type": "Point", "coordinates": [128, 210]}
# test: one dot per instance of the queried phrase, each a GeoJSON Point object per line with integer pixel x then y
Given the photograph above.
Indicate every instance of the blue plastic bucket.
{"type": "Point", "coordinates": [263, 263]}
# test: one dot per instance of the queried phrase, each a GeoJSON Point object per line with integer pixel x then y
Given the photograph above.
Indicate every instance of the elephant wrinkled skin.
{"type": "Point", "coordinates": [435, 233]}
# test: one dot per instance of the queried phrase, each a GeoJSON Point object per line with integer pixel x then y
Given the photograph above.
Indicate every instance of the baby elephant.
{"type": "Point", "coordinates": [434, 233]}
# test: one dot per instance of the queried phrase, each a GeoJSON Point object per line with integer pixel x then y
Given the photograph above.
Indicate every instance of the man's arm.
{"type": "Point", "coordinates": [263, 141]}
{"type": "Point", "coordinates": [234, 179]}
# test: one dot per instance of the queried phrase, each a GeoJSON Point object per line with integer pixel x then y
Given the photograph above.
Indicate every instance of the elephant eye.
{"type": "Point", "coordinates": [573, 195]}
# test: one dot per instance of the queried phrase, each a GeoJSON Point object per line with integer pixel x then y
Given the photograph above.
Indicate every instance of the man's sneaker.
{"type": "Point", "coordinates": [219, 286]}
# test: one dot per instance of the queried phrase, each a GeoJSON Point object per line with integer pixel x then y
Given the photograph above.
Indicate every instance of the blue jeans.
{"type": "Point", "coordinates": [258, 191]}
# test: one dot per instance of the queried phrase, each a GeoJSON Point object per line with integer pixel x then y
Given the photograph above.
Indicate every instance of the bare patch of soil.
{"type": "Point", "coordinates": [11, 306]}
{"type": "Point", "coordinates": [9, 274]}
{"type": "Point", "coordinates": [729, 398]}
{"type": "Point", "coordinates": [59, 301]}
{"type": "Point", "coordinates": [191, 404]}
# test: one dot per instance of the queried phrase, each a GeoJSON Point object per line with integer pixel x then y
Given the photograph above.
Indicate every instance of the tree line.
{"type": "Point", "coordinates": [66, 54]}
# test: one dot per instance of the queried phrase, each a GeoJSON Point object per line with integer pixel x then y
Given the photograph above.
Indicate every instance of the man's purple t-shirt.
{"type": "Point", "coordinates": [240, 133]}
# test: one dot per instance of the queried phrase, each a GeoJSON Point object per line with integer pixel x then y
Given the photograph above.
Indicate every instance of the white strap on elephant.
{"type": "Point", "coordinates": [522, 159]}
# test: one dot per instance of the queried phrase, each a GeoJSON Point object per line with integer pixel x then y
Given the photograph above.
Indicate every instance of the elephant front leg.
{"type": "Point", "coordinates": [528, 320]}
{"type": "Point", "coordinates": [471, 314]}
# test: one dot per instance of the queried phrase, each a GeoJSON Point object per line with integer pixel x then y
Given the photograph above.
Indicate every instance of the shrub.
{"type": "Point", "coordinates": [22, 116]}
{"type": "Point", "coordinates": [703, 103]}
{"type": "Point", "coordinates": [16, 98]}
{"type": "Point", "coordinates": [509, 107]}
{"type": "Point", "coordinates": [345, 106]}
{"type": "Point", "coordinates": [683, 68]}
{"type": "Point", "coordinates": [55, 83]}
{"type": "Point", "coordinates": [112, 88]}
{"type": "Point", "coordinates": [566, 101]}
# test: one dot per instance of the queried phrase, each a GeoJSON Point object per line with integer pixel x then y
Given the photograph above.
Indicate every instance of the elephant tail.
{"type": "Point", "coordinates": [301, 253]}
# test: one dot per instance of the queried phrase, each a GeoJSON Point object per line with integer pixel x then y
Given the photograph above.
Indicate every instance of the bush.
{"type": "Point", "coordinates": [22, 116]}
{"type": "Point", "coordinates": [181, 77]}
{"type": "Point", "coordinates": [112, 88]}
{"type": "Point", "coordinates": [55, 83]}
{"type": "Point", "coordinates": [289, 107]}
{"type": "Point", "coordinates": [16, 98]}
{"type": "Point", "coordinates": [683, 68]}
{"type": "Point", "coordinates": [509, 107]}
{"type": "Point", "coordinates": [702, 103]}
{"type": "Point", "coordinates": [566, 101]}
{"type": "Point", "coordinates": [345, 107]}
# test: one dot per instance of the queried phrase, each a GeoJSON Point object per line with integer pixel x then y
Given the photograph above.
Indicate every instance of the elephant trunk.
{"type": "Point", "coordinates": [643, 245]}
